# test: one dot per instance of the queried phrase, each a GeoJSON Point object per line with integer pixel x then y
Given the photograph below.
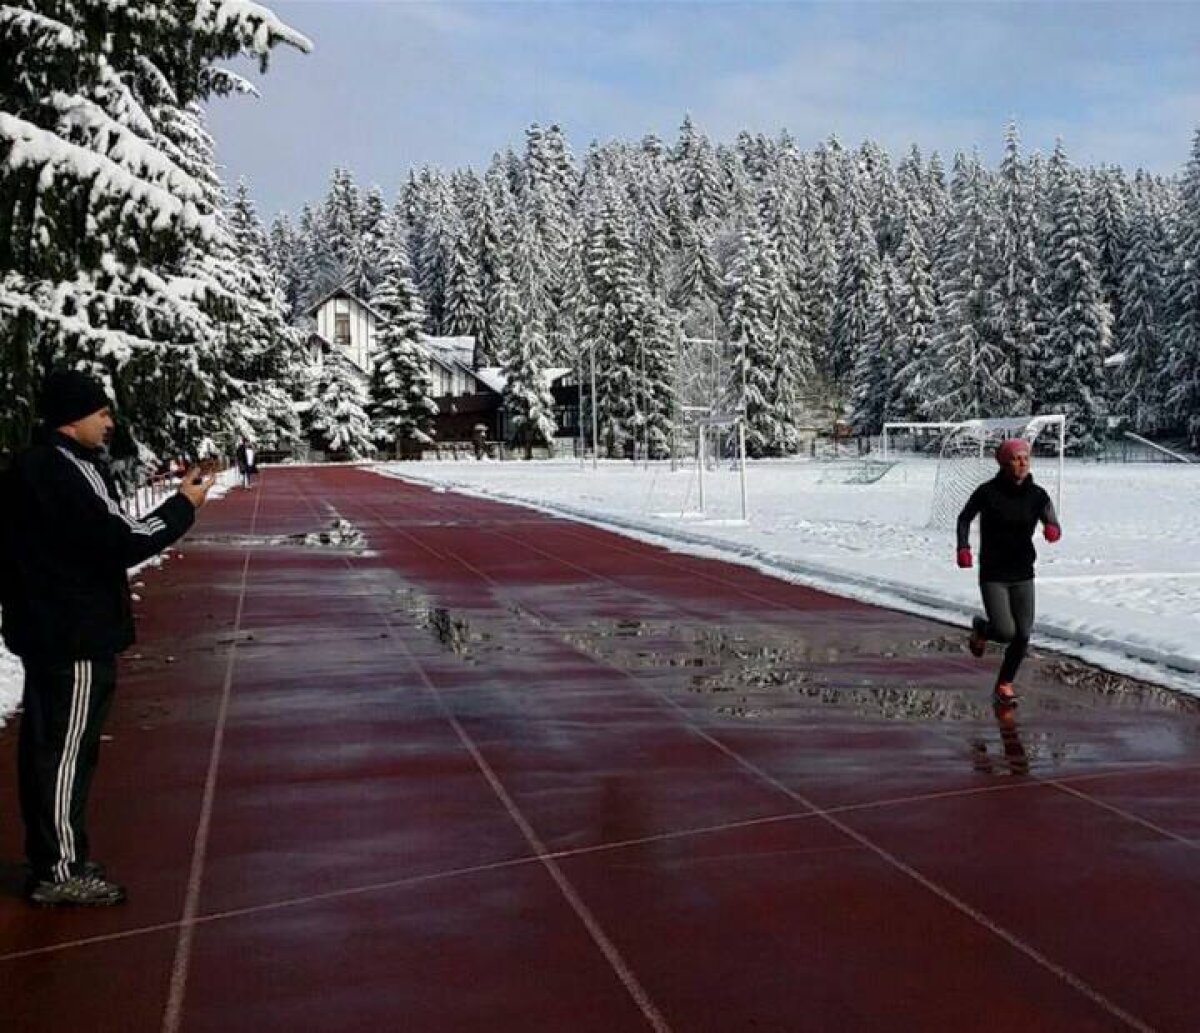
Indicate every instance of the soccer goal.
{"type": "Point", "coordinates": [965, 452]}
{"type": "Point", "coordinates": [714, 439]}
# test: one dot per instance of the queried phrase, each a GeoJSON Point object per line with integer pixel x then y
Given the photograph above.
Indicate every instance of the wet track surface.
{"type": "Point", "coordinates": [387, 758]}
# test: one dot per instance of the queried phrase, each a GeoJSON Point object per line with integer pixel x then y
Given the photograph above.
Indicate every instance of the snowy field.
{"type": "Point", "coordinates": [10, 666]}
{"type": "Point", "coordinates": [1121, 590]}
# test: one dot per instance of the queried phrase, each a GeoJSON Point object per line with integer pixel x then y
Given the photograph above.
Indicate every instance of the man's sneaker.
{"type": "Point", "coordinates": [1005, 695]}
{"type": "Point", "coordinates": [977, 642]}
{"type": "Point", "coordinates": [77, 891]}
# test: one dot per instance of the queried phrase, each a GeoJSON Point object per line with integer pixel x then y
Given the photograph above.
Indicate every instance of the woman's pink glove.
{"type": "Point", "coordinates": [964, 558]}
{"type": "Point", "coordinates": [1052, 533]}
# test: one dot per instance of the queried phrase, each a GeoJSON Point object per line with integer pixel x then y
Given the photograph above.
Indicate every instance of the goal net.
{"type": "Point", "coordinates": [966, 452]}
{"type": "Point", "coordinates": [717, 443]}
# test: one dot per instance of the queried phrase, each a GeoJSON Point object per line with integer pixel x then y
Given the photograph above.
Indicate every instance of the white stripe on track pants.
{"type": "Point", "coordinates": [63, 712]}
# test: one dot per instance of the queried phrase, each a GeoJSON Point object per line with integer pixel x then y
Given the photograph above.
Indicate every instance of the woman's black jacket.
{"type": "Point", "coordinates": [1008, 513]}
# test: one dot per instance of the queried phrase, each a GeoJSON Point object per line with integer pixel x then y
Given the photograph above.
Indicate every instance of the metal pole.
{"type": "Point", "coordinates": [675, 413]}
{"type": "Point", "coordinates": [1062, 454]}
{"type": "Point", "coordinates": [717, 357]}
{"type": "Point", "coordinates": [579, 414]}
{"type": "Point", "coordinates": [742, 448]}
{"type": "Point", "coordinates": [595, 434]}
{"type": "Point", "coordinates": [645, 403]}
{"type": "Point", "coordinates": [700, 464]}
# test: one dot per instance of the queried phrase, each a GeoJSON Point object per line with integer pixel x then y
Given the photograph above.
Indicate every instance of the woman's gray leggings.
{"type": "Point", "coordinates": [1010, 609]}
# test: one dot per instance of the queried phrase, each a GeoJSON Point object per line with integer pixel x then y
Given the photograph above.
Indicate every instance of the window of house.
{"type": "Point", "coordinates": [341, 328]}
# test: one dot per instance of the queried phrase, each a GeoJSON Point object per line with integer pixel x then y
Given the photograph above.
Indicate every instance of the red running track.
{"type": "Point", "coordinates": [507, 772]}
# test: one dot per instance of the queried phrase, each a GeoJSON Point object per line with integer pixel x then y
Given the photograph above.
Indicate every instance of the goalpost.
{"type": "Point", "coordinates": [714, 434]}
{"type": "Point", "coordinates": [966, 454]}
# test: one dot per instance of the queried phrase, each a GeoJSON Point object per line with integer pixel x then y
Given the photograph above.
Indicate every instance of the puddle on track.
{"type": "Point", "coordinates": [762, 673]}
{"type": "Point", "coordinates": [339, 536]}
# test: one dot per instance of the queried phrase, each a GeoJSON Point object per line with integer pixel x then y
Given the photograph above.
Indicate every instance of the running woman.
{"type": "Point", "coordinates": [1009, 507]}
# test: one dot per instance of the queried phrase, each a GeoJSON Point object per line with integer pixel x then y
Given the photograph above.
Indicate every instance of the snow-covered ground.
{"type": "Point", "coordinates": [1121, 590]}
{"type": "Point", "coordinates": [10, 666]}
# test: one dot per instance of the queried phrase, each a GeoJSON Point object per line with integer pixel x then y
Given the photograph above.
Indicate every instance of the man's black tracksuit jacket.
{"type": "Point", "coordinates": [65, 547]}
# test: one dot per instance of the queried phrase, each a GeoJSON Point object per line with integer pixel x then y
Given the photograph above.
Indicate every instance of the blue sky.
{"type": "Point", "coordinates": [392, 85]}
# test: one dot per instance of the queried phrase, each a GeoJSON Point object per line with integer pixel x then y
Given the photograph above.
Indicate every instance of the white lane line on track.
{"type": "Point", "coordinates": [939, 891]}
{"type": "Point", "coordinates": [599, 848]}
{"type": "Point", "coordinates": [173, 1013]}
{"type": "Point", "coordinates": [599, 937]}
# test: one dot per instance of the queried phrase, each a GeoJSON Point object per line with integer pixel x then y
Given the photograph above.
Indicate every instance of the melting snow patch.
{"type": "Point", "coordinates": [341, 534]}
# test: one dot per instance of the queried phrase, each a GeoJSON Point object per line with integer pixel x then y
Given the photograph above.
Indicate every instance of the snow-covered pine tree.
{"type": "Point", "coordinates": [1108, 197]}
{"type": "Point", "coordinates": [611, 321]}
{"type": "Point", "coordinates": [1078, 337]}
{"type": "Point", "coordinates": [433, 240]}
{"type": "Point", "coordinates": [873, 380]}
{"type": "Point", "coordinates": [780, 216]}
{"type": "Point", "coordinates": [341, 213]}
{"type": "Point", "coordinates": [695, 278]}
{"type": "Point", "coordinates": [883, 197]}
{"type": "Point", "coordinates": [506, 314]}
{"type": "Point", "coordinates": [402, 405]}
{"type": "Point", "coordinates": [657, 354]}
{"type": "Point", "coordinates": [738, 187]}
{"type": "Point", "coordinates": [817, 292]}
{"type": "Point", "coordinates": [362, 260]}
{"type": "Point", "coordinates": [910, 178]}
{"type": "Point", "coordinates": [1183, 364]}
{"type": "Point", "coordinates": [181, 387]}
{"type": "Point", "coordinates": [1018, 276]}
{"type": "Point", "coordinates": [462, 305]}
{"type": "Point", "coordinates": [830, 187]}
{"type": "Point", "coordinates": [754, 279]}
{"type": "Point", "coordinates": [491, 224]}
{"type": "Point", "coordinates": [755, 152]}
{"type": "Point", "coordinates": [527, 397]}
{"type": "Point", "coordinates": [653, 230]}
{"type": "Point", "coordinates": [938, 204]}
{"type": "Point", "coordinates": [317, 267]}
{"type": "Point", "coordinates": [967, 374]}
{"type": "Point", "coordinates": [858, 273]}
{"type": "Point", "coordinates": [260, 348]}
{"type": "Point", "coordinates": [548, 200]}
{"type": "Point", "coordinates": [794, 366]}
{"type": "Point", "coordinates": [284, 254]}
{"type": "Point", "coordinates": [1141, 325]}
{"type": "Point", "coordinates": [97, 218]}
{"type": "Point", "coordinates": [337, 418]}
{"type": "Point", "coordinates": [699, 174]}
{"type": "Point", "coordinates": [915, 325]}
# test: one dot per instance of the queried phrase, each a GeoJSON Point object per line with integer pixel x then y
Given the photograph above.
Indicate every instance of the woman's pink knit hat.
{"type": "Point", "coordinates": [1011, 447]}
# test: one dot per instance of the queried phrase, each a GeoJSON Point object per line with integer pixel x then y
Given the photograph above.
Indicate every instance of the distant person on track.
{"type": "Point", "coordinates": [1009, 507]}
{"type": "Point", "coordinates": [479, 441]}
{"type": "Point", "coordinates": [244, 456]}
{"type": "Point", "coordinates": [65, 546]}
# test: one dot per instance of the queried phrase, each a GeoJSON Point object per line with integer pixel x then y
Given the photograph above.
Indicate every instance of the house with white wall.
{"type": "Point", "coordinates": [466, 395]}
{"type": "Point", "coordinates": [346, 323]}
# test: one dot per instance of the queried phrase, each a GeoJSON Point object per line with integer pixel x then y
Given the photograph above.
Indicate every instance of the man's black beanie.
{"type": "Point", "coordinates": [68, 395]}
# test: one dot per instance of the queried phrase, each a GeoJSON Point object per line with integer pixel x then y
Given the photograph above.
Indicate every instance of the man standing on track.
{"type": "Point", "coordinates": [66, 547]}
{"type": "Point", "coordinates": [244, 456]}
{"type": "Point", "coordinates": [1009, 507]}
